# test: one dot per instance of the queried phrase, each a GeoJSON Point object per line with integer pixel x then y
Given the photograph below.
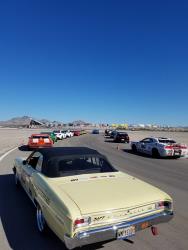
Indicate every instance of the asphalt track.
{"type": "Point", "coordinates": [18, 226]}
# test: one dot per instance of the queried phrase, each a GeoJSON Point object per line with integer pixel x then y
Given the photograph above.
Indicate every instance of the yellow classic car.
{"type": "Point", "coordinates": [80, 196]}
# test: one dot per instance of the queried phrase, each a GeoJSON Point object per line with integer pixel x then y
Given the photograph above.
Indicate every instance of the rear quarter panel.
{"type": "Point", "coordinates": [58, 209]}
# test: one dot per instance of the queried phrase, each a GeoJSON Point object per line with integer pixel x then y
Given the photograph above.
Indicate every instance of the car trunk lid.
{"type": "Point", "coordinates": [105, 192]}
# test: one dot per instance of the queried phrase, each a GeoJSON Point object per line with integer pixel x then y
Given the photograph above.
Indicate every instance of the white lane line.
{"type": "Point", "coordinates": [8, 152]}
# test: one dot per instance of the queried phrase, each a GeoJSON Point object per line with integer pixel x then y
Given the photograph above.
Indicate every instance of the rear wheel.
{"type": "Point", "coordinates": [134, 149]}
{"type": "Point", "coordinates": [41, 222]}
{"type": "Point", "coordinates": [155, 153]}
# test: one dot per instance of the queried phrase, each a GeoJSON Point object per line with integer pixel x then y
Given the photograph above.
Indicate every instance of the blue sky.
{"type": "Point", "coordinates": [100, 61]}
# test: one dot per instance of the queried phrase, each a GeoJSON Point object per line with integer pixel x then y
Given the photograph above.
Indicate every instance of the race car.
{"type": "Point", "coordinates": [83, 199]}
{"type": "Point", "coordinates": [52, 136]}
{"type": "Point", "coordinates": [160, 147]}
{"type": "Point", "coordinates": [121, 137]}
{"type": "Point", "coordinates": [95, 131]}
{"type": "Point", "coordinates": [60, 134]}
{"type": "Point", "coordinates": [76, 132]}
{"type": "Point", "coordinates": [83, 132]}
{"type": "Point", "coordinates": [39, 141]}
{"type": "Point", "coordinates": [68, 133]}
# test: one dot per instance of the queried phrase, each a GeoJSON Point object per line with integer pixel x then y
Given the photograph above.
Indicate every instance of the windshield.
{"type": "Point", "coordinates": [59, 167]}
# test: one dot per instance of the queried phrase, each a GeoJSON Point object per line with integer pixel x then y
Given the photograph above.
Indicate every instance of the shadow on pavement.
{"type": "Point", "coordinates": [18, 220]}
{"type": "Point", "coordinates": [24, 148]}
{"type": "Point", "coordinates": [129, 151]}
{"type": "Point", "coordinates": [110, 141]}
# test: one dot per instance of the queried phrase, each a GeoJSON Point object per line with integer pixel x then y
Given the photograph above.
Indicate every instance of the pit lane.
{"type": "Point", "coordinates": [18, 227]}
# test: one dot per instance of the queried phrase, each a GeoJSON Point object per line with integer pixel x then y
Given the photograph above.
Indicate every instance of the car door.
{"type": "Point", "coordinates": [32, 163]}
{"type": "Point", "coordinates": [143, 145]}
{"type": "Point", "coordinates": [148, 145]}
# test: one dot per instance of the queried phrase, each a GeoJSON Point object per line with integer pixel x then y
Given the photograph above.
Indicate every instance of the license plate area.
{"type": "Point", "coordinates": [126, 232]}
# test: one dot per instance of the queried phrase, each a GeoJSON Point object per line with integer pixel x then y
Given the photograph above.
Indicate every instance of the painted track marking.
{"type": "Point", "coordinates": [7, 153]}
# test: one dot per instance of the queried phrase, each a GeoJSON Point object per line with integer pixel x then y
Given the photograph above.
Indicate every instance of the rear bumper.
{"type": "Point", "coordinates": [110, 232]}
{"type": "Point", "coordinates": [172, 153]}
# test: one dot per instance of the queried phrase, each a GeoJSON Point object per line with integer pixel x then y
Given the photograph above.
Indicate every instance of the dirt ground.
{"type": "Point", "coordinates": [10, 138]}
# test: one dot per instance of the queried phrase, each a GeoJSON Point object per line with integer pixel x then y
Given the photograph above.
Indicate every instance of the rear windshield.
{"type": "Point", "coordinates": [40, 136]}
{"type": "Point", "coordinates": [59, 167]}
{"type": "Point", "coordinates": [166, 141]}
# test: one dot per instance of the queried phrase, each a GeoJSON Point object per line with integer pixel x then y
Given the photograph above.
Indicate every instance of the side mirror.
{"type": "Point", "coordinates": [24, 162]}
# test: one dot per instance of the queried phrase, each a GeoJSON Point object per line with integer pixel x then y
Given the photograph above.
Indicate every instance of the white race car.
{"type": "Point", "coordinates": [160, 147]}
{"type": "Point", "coordinates": [69, 133]}
{"type": "Point", "coordinates": [60, 134]}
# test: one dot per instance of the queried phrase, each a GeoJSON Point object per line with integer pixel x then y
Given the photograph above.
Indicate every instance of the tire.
{"type": "Point", "coordinates": [41, 222]}
{"type": "Point", "coordinates": [134, 149]}
{"type": "Point", "coordinates": [155, 153]}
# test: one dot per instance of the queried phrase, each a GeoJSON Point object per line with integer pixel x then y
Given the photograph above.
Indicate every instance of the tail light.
{"type": "Point", "coordinates": [176, 146]}
{"type": "Point", "coordinates": [81, 222]}
{"type": "Point", "coordinates": [164, 205]}
{"type": "Point", "coordinates": [168, 147]}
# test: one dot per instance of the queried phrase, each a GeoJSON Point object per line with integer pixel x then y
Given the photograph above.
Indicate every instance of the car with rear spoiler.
{"type": "Point", "coordinates": [72, 190]}
{"type": "Point", "coordinates": [160, 147]}
{"type": "Point", "coordinates": [69, 133]}
{"type": "Point", "coordinates": [39, 140]}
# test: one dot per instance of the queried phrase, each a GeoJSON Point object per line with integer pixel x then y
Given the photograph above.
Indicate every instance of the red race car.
{"type": "Point", "coordinates": [40, 141]}
{"type": "Point", "coordinates": [76, 132]}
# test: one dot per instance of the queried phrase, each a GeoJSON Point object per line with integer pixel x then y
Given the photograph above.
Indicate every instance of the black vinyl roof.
{"type": "Point", "coordinates": [66, 151]}
{"type": "Point", "coordinates": [52, 157]}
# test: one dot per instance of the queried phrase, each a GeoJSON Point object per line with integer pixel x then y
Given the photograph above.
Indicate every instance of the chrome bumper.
{"type": "Point", "coordinates": [110, 232]}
